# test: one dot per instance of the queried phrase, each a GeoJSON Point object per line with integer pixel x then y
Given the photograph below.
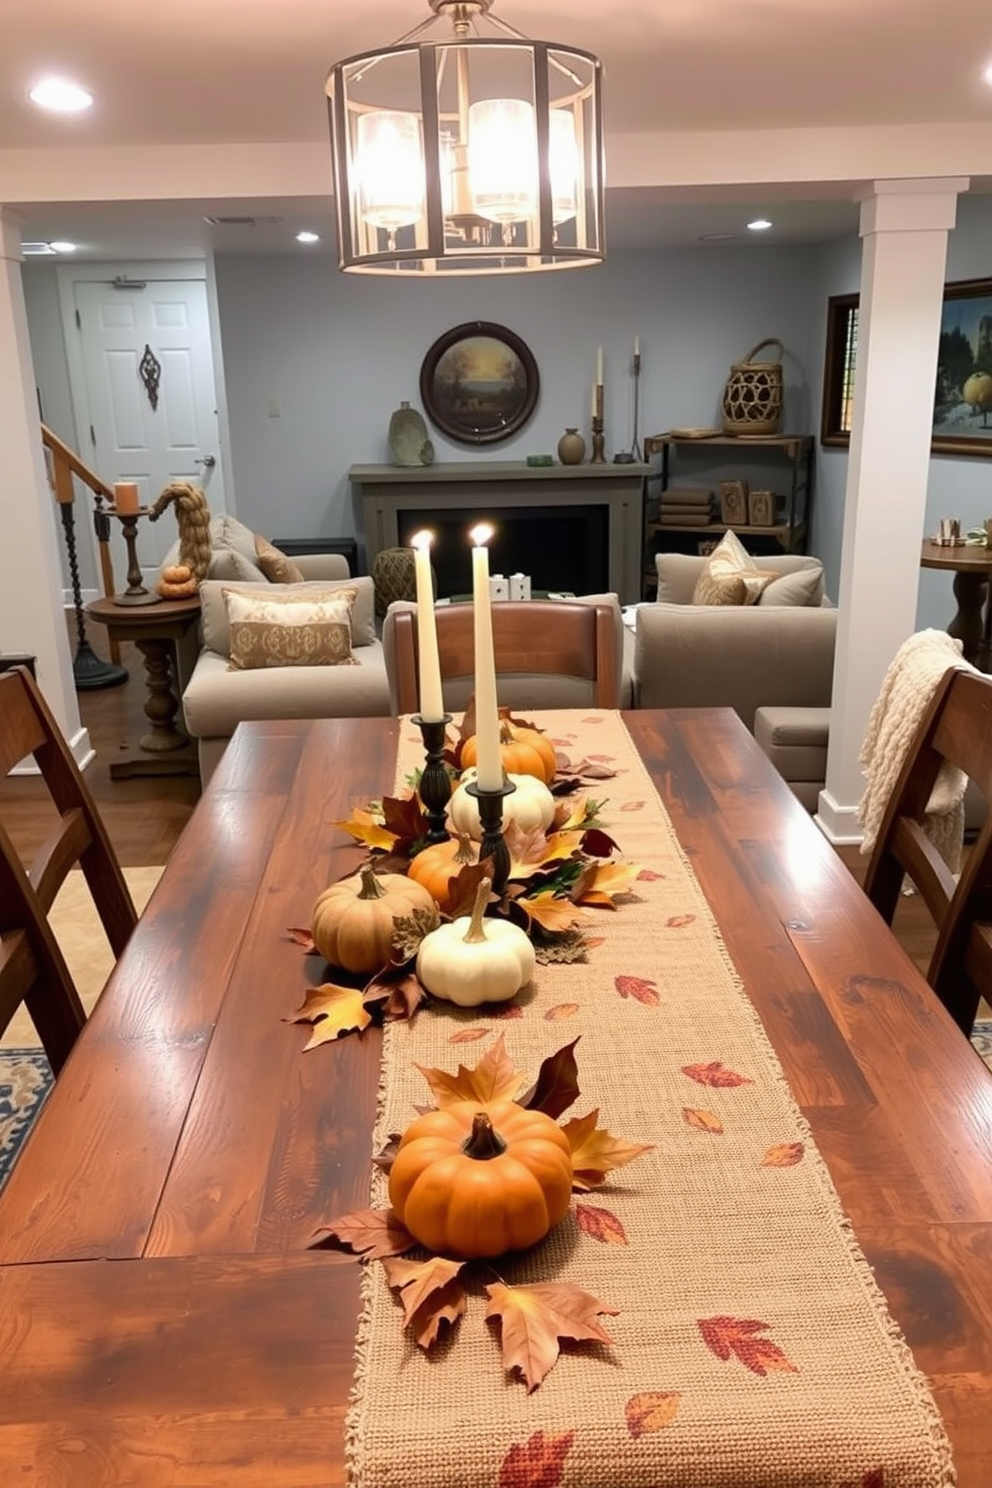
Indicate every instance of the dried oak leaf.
{"type": "Point", "coordinates": [533, 1319]}
{"type": "Point", "coordinates": [595, 1152]}
{"type": "Point", "coordinates": [557, 1084]}
{"type": "Point", "coordinates": [706, 1121]}
{"type": "Point", "coordinates": [735, 1337]}
{"type": "Point", "coordinates": [639, 988]}
{"type": "Point", "coordinates": [409, 930]}
{"type": "Point", "coordinates": [652, 1410]}
{"type": "Point", "coordinates": [371, 1233]}
{"type": "Point", "coordinates": [303, 938]}
{"type": "Point", "coordinates": [563, 950]}
{"type": "Point", "coordinates": [600, 1224]}
{"type": "Point", "coordinates": [429, 1293]}
{"type": "Point", "coordinates": [366, 827]}
{"type": "Point", "coordinates": [492, 1079]}
{"type": "Point", "coordinates": [397, 989]}
{"type": "Point", "coordinates": [784, 1155]}
{"type": "Point", "coordinates": [715, 1074]}
{"type": "Point", "coordinates": [536, 1463]}
{"type": "Point", "coordinates": [333, 1011]}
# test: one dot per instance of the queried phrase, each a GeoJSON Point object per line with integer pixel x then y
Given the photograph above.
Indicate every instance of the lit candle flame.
{"type": "Point", "coordinates": [421, 539]}
{"type": "Point", "coordinates": [481, 534]}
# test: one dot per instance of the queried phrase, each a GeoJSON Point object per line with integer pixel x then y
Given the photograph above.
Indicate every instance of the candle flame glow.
{"type": "Point", "coordinates": [421, 539]}
{"type": "Point", "coordinates": [481, 534]}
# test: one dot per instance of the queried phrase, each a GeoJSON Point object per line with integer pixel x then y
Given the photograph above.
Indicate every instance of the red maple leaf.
{"type": "Point", "coordinates": [715, 1074]}
{"type": "Point", "coordinates": [730, 1336]}
{"type": "Point", "coordinates": [639, 988]}
{"type": "Point", "coordinates": [537, 1463]}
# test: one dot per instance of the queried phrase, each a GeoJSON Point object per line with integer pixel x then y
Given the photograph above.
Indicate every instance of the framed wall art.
{"type": "Point", "coordinates": [479, 383]}
{"type": "Point", "coordinates": [962, 410]}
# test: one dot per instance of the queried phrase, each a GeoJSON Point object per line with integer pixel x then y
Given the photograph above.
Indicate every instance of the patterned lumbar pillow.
{"type": "Point", "coordinates": [275, 565]}
{"type": "Point", "coordinates": [276, 630]}
{"type": "Point", "coordinates": [730, 575]}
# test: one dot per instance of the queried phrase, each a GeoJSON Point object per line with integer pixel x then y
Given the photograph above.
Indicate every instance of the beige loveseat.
{"type": "Point", "coordinates": [216, 699]}
{"type": "Point", "coordinates": [771, 662]}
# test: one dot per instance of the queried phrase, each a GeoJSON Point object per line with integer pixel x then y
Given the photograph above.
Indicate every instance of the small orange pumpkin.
{"type": "Point", "coordinates": [480, 1178]}
{"type": "Point", "coordinates": [524, 751]}
{"type": "Point", "coordinates": [438, 865]}
{"type": "Point", "coordinates": [352, 922]}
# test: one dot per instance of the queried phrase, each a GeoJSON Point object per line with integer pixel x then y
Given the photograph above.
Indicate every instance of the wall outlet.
{"type": "Point", "coordinates": [520, 586]}
{"type": "Point", "coordinates": [498, 588]}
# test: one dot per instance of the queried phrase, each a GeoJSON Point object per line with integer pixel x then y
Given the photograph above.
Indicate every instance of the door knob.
{"type": "Point", "coordinates": [209, 461]}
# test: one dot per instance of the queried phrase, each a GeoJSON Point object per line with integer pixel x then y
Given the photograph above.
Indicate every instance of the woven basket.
{"type": "Point", "coordinates": [752, 399]}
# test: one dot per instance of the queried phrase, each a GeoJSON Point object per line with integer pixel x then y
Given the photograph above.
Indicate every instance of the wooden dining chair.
{"type": "Point", "coordinates": [956, 730]}
{"type": "Point", "coordinates": [32, 968]}
{"type": "Point", "coordinates": [547, 638]}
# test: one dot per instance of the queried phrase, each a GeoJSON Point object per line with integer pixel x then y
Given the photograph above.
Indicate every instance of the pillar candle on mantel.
{"type": "Point", "coordinates": [431, 699]}
{"type": "Point", "coordinates": [488, 757]}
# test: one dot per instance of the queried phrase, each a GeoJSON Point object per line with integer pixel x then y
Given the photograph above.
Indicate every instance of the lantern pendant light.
{"type": "Point", "coordinates": [467, 152]}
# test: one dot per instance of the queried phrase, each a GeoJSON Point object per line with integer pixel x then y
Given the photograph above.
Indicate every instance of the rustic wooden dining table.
{"type": "Point", "coordinates": [163, 1320]}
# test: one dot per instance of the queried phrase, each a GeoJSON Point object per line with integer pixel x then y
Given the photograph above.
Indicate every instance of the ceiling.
{"type": "Point", "coordinates": [244, 72]}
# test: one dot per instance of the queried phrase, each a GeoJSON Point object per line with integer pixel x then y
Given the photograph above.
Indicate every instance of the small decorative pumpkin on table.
{"type": "Point", "coordinates": [352, 923]}
{"type": "Point", "coordinates": [177, 582]}
{"type": "Point", "coordinates": [530, 805]}
{"type": "Point", "coordinates": [523, 751]}
{"type": "Point", "coordinates": [474, 960]}
{"type": "Point", "coordinates": [437, 866]}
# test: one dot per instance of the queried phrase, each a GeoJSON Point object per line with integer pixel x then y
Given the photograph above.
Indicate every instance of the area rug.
{"type": "Point", "coordinates": [25, 1076]}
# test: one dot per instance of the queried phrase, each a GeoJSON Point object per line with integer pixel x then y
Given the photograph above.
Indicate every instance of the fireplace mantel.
{"type": "Point", "coordinates": [482, 486]}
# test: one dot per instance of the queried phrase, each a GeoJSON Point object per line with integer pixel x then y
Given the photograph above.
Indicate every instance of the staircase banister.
{"type": "Point", "coordinates": [68, 458]}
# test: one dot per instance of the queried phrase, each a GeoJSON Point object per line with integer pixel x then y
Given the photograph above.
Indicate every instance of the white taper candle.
{"type": "Point", "coordinates": [599, 366]}
{"type": "Point", "coordinates": [488, 758]}
{"type": "Point", "coordinates": [431, 700]}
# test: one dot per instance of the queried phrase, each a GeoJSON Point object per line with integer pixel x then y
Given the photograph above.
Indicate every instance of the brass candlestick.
{"type": "Point", "coordinates": [135, 593]}
{"type": "Point", "coordinates": [493, 844]}
{"type": "Point", "coordinates": [598, 442]}
{"type": "Point", "coordinates": [435, 782]}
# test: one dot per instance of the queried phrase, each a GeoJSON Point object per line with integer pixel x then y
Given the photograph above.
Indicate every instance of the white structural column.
{"type": "Point", "coordinates": [32, 618]}
{"type": "Point", "coordinates": [904, 225]}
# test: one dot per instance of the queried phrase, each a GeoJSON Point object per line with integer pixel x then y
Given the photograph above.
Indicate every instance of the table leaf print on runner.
{"type": "Point", "coordinates": [711, 1234]}
{"type": "Point", "coordinates": [537, 1463]}
{"type": "Point", "coordinates": [730, 1337]}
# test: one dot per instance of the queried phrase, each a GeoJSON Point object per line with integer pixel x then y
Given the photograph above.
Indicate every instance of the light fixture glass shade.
{"type": "Point", "coordinates": [472, 155]}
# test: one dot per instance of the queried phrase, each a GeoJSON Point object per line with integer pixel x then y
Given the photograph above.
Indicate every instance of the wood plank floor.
{"type": "Point", "coordinates": [145, 817]}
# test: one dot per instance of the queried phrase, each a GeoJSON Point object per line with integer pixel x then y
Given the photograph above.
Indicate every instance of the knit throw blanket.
{"type": "Point", "coordinates": [751, 1346]}
{"type": "Point", "coordinates": [907, 690]}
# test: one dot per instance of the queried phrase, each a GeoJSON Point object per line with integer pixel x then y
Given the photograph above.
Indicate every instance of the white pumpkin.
{"type": "Point", "coordinates": [474, 960]}
{"type": "Point", "coordinates": [530, 805]}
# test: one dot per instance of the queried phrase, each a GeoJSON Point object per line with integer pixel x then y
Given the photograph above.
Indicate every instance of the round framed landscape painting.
{"type": "Point", "coordinates": [479, 383]}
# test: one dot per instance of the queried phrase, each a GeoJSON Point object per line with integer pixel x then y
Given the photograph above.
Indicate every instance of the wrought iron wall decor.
{"type": "Point", "coordinates": [150, 370]}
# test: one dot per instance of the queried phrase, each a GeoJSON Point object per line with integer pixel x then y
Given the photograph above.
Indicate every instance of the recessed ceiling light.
{"type": "Point", "coordinates": [308, 237]}
{"type": "Point", "coordinates": [987, 74]}
{"type": "Point", "coordinates": [61, 95]}
{"type": "Point", "coordinates": [61, 246]}
{"type": "Point", "coordinates": [760, 224]}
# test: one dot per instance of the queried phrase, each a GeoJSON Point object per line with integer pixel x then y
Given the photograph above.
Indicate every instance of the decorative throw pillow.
{"type": "Point", "coordinates": [730, 575]}
{"type": "Point", "coordinates": [269, 630]}
{"type": "Point", "coordinates": [233, 567]}
{"type": "Point", "coordinates": [275, 565]}
{"type": "Point", "coordinates": [804, 586]}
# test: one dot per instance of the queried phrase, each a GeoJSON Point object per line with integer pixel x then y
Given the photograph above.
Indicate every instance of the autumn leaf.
{"type": "Point", "coordinates": [397, 989]}
{"type": "Point", "coordinates": [679, 921]}
{"type": "Point", "coordinates": [557, 1084]}
{"type": "Point", "coordinates": [648, 875]}
{"type": "Point", "coordinates": [598, 844]}
{"type": "Point", "coordinates": [639, 988]}
{"type": "Point", "coordinates": [715, 1075]}
{"type": "Point", "coordinates": [405, 820]}
{"type": "Point", "coordinates": [469, 1035]}
{"type": "Point", "coordinates": [601, 882]}
{"type": "Point", "coordinates": [735, 1337]}
{"type": "Point", "coordinates": [534, 852]}
{"type": "Point", "coordinates": [632, 806]}
{"type": "Point", "coordinates": [492, 1079]}
{"type": "Point", "coordinates": [371, 1233]}
{"type": "Point", "coordinates": [533, 1319]}
{"type": "Point", "coordinates": [551, 912]}
{"type": "Point", "coordinates": [384, 1160]}
{"type": "Point", "coordinates": [303, 938]}
{"type": "Point", "coordinates": [652, 1410]}
{"type": "Point", "coordinates": [463, 887]}
{"type": "Point", "coordinates": [409, 930]}
{"type": "Point", "coordinates": [600, 1224]}
{"type": "Point", "coordinates": [561, 1011]}
{"type": "Point", "coordinates": [783, 1155]}
{"type": "Point", "coordinates": [703, 1121]}
{"type": "Point", "coordinates": [595, 1152]}
{"type": "Point", "coordinates": [429, 1293]}
{"type": "Point", "coordinates": [874, 1479]}
{"type": "Point", "coordinates": [537, 1463]}
{"type": "Point", "coordinates": [332, 1010]}
{"type": "Point", "coordinates": [367, 828]}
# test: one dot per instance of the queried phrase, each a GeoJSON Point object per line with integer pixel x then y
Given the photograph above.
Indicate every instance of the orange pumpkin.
{"type": "Point", "coordinates": [523, 751]}
{"type": "Point", "coordinates": [440, 864]}
{"type": "Point", "coordinates": [480, 1178]}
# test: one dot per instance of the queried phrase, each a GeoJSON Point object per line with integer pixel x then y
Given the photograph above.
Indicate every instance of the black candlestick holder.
{"type": "Point", "coordinates": [435, 782]}
{"type": "Point", "coordinates": [493, 844]}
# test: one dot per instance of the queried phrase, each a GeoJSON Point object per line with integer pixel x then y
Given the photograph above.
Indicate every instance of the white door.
{"type": "Point", "coordinates": [153, 424]}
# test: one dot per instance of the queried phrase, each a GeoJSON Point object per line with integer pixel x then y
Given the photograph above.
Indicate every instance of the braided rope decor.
{"type": "Point", "coordinates": [193, 520]}
{"type": "Point", "coordinates": [752, 399]}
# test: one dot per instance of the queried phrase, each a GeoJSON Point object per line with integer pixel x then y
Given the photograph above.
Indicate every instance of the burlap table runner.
{"type": "Point", "coordinates": [713, 1232]}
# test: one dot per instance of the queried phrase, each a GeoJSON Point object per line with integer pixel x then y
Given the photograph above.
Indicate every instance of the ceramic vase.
{"type": "Point", "coordinates": [571, 448]}
{"type": "Point", "coordinates": [408, 440]}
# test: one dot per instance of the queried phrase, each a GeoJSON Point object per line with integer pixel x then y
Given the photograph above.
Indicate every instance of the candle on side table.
{"type": "Point", "coordinates": [431, 699]}
{"type": "Point", "coordinates": [490, 764]}
{"type": "Point", "coordinates": [126, 496]}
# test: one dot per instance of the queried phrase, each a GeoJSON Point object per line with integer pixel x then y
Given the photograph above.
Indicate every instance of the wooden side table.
{"type": "Point", "coordinates": [155, 629]}
{"type": "Point", "coordinates": [972, 569]}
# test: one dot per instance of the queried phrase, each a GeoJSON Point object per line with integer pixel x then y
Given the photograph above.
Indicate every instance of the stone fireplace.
{"type": "Point", "coordinates": [575, 527]}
